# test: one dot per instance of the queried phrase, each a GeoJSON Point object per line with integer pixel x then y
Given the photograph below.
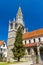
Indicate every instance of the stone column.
{"type": "Point", "coordinates": [33, 56]}
{"type": "Point", "coordinates": [38, 54]}
{"type": "Point", "coordinates": [38, 50]}
{"type": "Point", "coordinates": [26, 51]}
{"type": "Point", "coordinates": [32, 51]}
{"type": "Point", "coordinates": [26, 56]}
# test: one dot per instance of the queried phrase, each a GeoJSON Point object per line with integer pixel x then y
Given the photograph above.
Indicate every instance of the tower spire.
{"type": "Point", "coordinates": [19, 13]}
{"type": "Point", "coordinates": [19, 16]}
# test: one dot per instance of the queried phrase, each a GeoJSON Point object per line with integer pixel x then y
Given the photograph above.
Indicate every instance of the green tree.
{"type": "Point", "coordinates": [19, 50]}
{"type": "Point", "coordinates": [1, 58]}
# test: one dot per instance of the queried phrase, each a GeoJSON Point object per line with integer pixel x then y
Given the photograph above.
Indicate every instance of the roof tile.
{"type": "Point", "coordinates": [33, 34]}
{"type": "Point", "coordinates": [1, 43]}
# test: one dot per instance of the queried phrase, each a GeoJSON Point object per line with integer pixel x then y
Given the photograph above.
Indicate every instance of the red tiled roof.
{"type": "Point", "coordinates": [1, 43]}
{"type": "Point", "coordinates": [33, 34]}
{"type": "Point", "coordinates": [30, 45]}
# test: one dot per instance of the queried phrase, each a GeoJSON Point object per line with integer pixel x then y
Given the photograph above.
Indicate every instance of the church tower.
{"type": "Point", "coordinates": [11, 39]}
{"type": "Point", "coordinates": [13, 26]}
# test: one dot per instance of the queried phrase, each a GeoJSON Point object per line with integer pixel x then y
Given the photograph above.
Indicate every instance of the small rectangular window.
{"type": "Point", "coordinates": [34, 40]}
{"type": "Point", "coordinates": [39, 40]}
{"type": "Point", "coordinates": [3, 45]}
{"type": "Point", "coordinates": [25, 41]}
{"type": "Point", "coordinates": [29, 41]}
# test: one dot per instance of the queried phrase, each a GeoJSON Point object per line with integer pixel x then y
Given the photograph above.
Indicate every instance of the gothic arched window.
{"type": "Point", "coordinates": [29, 41]}
{"type": "Point", "coordinates": [25, 41]}
{"type": "Point", "coordinates": [34, 40]}
{"type": "Point", "coordinates": [11, 25]}
{"type": "Point", "coordinates": [39, 40]}
{"type": "Point", "coordinates": [15, 25]}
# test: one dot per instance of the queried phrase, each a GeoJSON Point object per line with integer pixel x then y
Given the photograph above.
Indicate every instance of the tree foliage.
{"type": "Point", "coordinates": [1, 58]}
{"type": "Point", "coordinates": [19, 50]}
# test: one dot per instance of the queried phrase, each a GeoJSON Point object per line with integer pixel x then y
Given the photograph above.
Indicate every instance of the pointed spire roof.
{"type": "Point", "coordinates": [19, 16]}
{"type": "Point", "coordinates": [19, 13]}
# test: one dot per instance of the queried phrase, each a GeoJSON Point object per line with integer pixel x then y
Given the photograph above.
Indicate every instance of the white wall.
{"type": "Point", "coordinates": [4, 49]}
{"type": "Point", "coordinates": [32, 40]}
{"type": "Point", "coordinates": [36, 39]}
{"type": "Point", "coordinates": [27, 41]}
{"type": "Point", "coordinates": [41, 38]}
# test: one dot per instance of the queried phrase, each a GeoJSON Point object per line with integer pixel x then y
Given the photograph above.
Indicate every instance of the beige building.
{"type": "Point", "coordinates": [32, 41]}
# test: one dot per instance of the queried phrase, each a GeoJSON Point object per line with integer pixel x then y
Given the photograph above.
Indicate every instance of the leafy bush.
{"type": "Point", "coordinates": [1, 58]}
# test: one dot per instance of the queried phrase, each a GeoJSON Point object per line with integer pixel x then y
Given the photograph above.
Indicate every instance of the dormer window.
{"type": "Point", "coordinates": [39, 40]}
{"type": "Point", "coordinates": [11, 25]}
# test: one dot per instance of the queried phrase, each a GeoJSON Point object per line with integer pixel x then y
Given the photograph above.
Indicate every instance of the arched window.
{"type": "Point", "coordinates": [15, 25]}
{"type": "Point", "coordinates": [28, 51]}
{"type": "Point", "coordinates": [39, 40]}
{"type": "Point", "coordinates": [34, 40]}
{"type": "Point", "coordinates": [25, 41]}
{"type": "Point", "coordinates": [11, 25]}
{"type": "Point", "coordinates": [29, 41]}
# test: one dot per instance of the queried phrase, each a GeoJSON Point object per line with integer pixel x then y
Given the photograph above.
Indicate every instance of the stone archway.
{"type": "Point", "coordinates": [41, 52]}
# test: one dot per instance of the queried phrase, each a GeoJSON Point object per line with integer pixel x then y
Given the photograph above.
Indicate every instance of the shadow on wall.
{"type": "Point", "coordinates": [41, 53]}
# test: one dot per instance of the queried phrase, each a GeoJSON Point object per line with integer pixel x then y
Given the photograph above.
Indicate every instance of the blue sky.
{"type": "Point", "coordinates": [32, 13]}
